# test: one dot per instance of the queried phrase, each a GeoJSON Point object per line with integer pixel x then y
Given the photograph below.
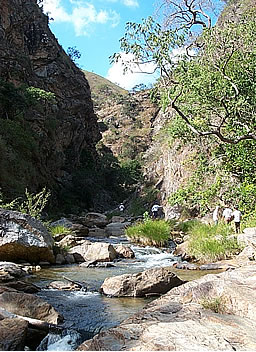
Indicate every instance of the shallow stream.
{"type": "Point", "coordinates": [90, 312]}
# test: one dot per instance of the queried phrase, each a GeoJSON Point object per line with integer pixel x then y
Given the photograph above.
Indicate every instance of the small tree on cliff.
{"type": "Point", "coordinates": [207, 79]}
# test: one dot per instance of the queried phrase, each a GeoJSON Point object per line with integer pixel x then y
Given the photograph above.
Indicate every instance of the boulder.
{"type": "Point", "coordinates": [22, 286]}
{"type": "Point", "coordinates": [97, 251]}
{"type": "Point", "coordinates": [213, 313]}
{"type": "Point", "coordinates": [24, 238]}
{"type": "Point", "coordinates": [152, 281]}
{"type": "Point", "coordinates": [248, 237]}
{"type": "Point", "coordinates": [95, 219]}
{"type": "Point", "coordinates": [60, 285]}
{"type": "Point", "coordinates": [62, 222]}
{"type": "Point", "coordinates": [9, 270]}
{"type": "Point", "coordinates": [117, 219]}
{"type": "Point", "coordinates": [116, 228]}
{"type": "Point", "coordinates": [28, 305]}
{"type": "Point", "coordinates": [97, 232]}
{"type": "Point", "coordinates": [13, 334]}
{"type": "Point", "coordinates": [124, 251]}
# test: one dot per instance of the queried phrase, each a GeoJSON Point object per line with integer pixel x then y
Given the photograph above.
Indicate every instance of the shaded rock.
{"type": "Point", "coordinates": [9, 270]}
{"type": "Point", "coordinates": [25, 287]}
{"type": "Point", "coordinates": [185, 266]}
{"type": "Point", "coordinates": [178, 321]}
{"type": "Point", "coordinates": [97, 232]}
{"type": "Point", "coordinates": [124, 251]}
{"type": "Point", "coordinates": [95, 219]}
{"type": "Point", "coordinates": [116, 228]}
{"type": "Point", "coordinates": [69, 258]}
{"type": "Point", "coordinates": [60, 259]}
{"type": "Point", "coordinates": [28, 305]}
{"type": "Point", "coordinates": [13, 334]}
{"type": "Point", "coordinates": [62, 222]}
{"type": "Point", "coordinates": [23, 237]}
{"type": "Point", "coordinates": [117, 219]}
{"type": "Point", "coordinates": [80, 230]}
{"type": "Point", "coordinates": [151, 281]}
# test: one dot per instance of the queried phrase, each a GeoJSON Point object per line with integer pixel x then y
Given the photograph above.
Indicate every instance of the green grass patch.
{"type": "Point", "coordinates": [212, 243]}
{"type": "Point", "coordinates": [216, 304]}
{"type": "Point", "coordinates": [60, 229]}
{"type": "Point", "coordinates": [150, 232]}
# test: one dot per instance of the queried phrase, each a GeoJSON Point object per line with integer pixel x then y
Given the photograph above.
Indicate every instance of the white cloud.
{"type": "Point", "coordinates": [81, 16]}
{"type": "Point", "coordinates": [136, 75]}
{"type": "Point", "coordinates": [131, 3]}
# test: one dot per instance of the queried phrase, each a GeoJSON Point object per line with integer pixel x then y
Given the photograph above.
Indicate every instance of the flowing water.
{"type": "Point", "coordinates": [87, 313]}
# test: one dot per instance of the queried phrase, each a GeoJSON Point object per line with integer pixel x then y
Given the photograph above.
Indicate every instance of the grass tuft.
{"type": "Point", "coordinates": [150, 232]}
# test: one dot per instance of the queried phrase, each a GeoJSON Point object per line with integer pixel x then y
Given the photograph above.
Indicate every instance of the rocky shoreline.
{"type": "Point", "coordinates": [215, 312]}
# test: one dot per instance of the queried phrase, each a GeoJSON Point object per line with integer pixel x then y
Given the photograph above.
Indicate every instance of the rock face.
{"type": "Point", "coordinates": [13, 334]}
{"type": "Point", "coordinates": [24, 238]}
{"type": "Point", "coordinates": [28, 305]}
{"type": "Point", "coordinates": [149, 282]}
{"type": "Point", "coordinates": [55, 133]}
{"type": "Point", "coordinates": [182, 319]}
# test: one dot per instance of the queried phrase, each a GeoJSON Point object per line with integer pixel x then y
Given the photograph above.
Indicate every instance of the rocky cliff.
{"type": "Point", "coordinates": [41, 139]}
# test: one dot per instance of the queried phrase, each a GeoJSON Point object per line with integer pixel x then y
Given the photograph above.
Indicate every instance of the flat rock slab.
{"type": "Point", "coordinates": [182, 318]}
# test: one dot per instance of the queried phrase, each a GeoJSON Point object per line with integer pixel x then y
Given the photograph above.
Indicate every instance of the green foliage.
{"type": "Point", "coordinates": [216, 304]}
{"type": "Point", "coordinates": [16, 100]}
{"type": "Point", "coordinates": [212, 243]}
{"type": "Point", "coordinates": [34, 204]}
{"type": "Point", "coordinates": [150, 232]}
{"type": "Point", "coordinates": [73, 53]}
{"type": "Point", "coordinates": [60, 229]}
{"type": "Point", "coordinates": [186, 226]}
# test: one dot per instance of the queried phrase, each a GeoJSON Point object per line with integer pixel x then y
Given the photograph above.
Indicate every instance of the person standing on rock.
{"type": "Point", "coordinates": [237, 219]}
{"type": "Point", "coordinates": [155, 210]}
{"type": "Point", "coordinates": [227, 215]}
{"type": "Point", "coordinates": [215, 215]}
{"type": "Point", "coordinates": [121, 207]}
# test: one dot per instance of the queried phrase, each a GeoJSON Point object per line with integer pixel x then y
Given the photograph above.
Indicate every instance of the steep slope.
{"type": "Point", "coordinates": [41, 137]}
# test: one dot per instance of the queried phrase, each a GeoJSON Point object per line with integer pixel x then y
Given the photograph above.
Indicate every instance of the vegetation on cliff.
{"type": "Point", "coordinates": [209, 85]}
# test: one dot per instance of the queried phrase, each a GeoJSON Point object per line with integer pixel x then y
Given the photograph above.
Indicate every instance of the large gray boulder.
{"type": "Point", "coordinates": [24, 238]}
{"type": "Point", "coordinates": [95, 251]}
{"type": "Point", "coordinates": [149, 282]}
{"type": "Point", "coordinates": [215, 312]}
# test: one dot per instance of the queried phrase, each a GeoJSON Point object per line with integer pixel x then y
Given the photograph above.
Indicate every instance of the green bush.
{"type": "Point", "coordinates": [212, 243]}
{"type": "Point", "coordinates": [216, 304]}
{"type": "Point", "coordinates": [150, 232]}
{"type": "Point", "coordinates": [60, 229]}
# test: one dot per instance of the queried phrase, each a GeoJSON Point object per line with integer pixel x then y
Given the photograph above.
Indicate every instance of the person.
{"type": "Point", "coordinates": [215, 215]}
{"type": "Point", "coordinates": [227, 215]}
{"type": "Point", "coordinates": [154, 210]}
{"type": "Point", "coordinates": [237, 219]}
{"type": "Point", "coordinates": [121, 207]}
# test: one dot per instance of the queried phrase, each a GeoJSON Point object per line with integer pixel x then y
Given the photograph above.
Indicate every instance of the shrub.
{"type": "Point", "coordinates": [55, 230]}
{"type": "Point", "coordinates": [216, 304]}
{"type": "Point", "coordinates": [211, 243]}
{"type": "Point", "coordinates": [150, 232]}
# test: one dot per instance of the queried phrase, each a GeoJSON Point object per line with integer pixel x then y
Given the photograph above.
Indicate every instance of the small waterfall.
{"type": "Point", "coordinates": [66, 340]}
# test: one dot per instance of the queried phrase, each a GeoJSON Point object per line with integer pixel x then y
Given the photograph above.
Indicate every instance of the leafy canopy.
{"type": "Point", "coordinates": [208, 81]}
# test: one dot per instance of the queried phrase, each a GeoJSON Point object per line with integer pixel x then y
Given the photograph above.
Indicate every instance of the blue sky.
{"type": "Point", "coordinates": [94, 27]}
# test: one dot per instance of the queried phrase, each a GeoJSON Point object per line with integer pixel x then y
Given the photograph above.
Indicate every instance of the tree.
{"type": "Point", "coordinates": [73, 53]}
{"type": "Point", "coordinates": [207, 79]}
